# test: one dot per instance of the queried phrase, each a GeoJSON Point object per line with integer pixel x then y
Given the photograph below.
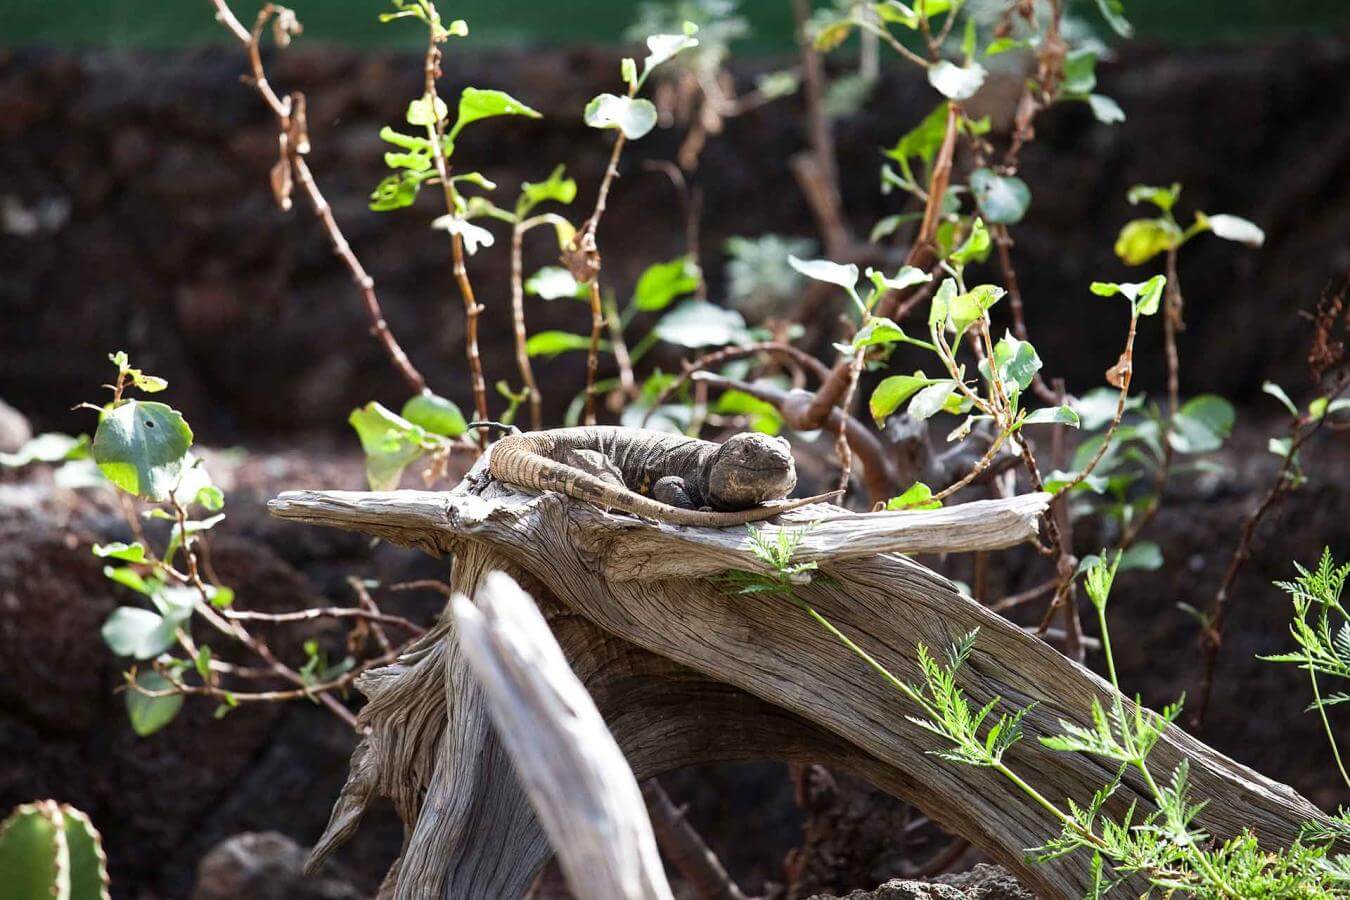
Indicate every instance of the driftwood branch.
{"type": "Point", "coordinates": [575, 775]}
{"type": "Point", "coordinates": [685, 672]}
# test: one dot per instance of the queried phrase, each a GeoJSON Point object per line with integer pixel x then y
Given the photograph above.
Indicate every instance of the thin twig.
{"type": "Point", "coordinates": [1211, 637]}
{"type": "Point", "coordinates": [518, 322]}
{"type": "Point", "coordinates": [328, 612]}
{"type": "Point", "coordinates": [282, 110]}
{"type": "Point", "coordinates": [472, 308]}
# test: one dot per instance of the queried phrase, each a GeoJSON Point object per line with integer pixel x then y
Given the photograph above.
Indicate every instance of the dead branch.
{"type": "Point", "coordinates": [685, 671]}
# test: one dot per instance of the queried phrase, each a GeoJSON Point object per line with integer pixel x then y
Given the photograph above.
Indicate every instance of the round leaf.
{"type": "Point", "coordinates": [956, 82]}
{"type": "Point", "coordinates": [698, 323]}
{"type": "Point", "coordinates": [1003, 199]}
{"type": "Point", "coordinates": [1201, 424]}
{"type": "Point", "coordinates": [436, 414]}
{"type": "Point", "coordinates": [846, 276]}
{"type": "Point", "coordinates": [661, 283]}
{"type": "Point", "coordinates": [150, 714]}
{"type": "Point", "coordinates": [138, 633]}
{"type": "Point", "coordinates": [632, 116]}
{"type": "Point", "coordinates": [141, 447]}
{"type": "Point", "coordinates": [1143, 239]}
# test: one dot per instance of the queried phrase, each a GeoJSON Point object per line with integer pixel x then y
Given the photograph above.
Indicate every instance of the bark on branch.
{"type": "Point", "coordinates": [685, 672]}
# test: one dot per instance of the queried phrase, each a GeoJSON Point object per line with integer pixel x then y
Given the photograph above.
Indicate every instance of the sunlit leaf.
{"type": "Point", "coordinates": [141, 447]}
{"type": "Point", "coordinates": [634, 117]}
{"type": "Point", "coordinates": [956, 82]}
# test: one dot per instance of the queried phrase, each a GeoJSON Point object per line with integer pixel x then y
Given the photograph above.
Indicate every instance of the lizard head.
{"type": "Point", "coordinates": [750, 469]}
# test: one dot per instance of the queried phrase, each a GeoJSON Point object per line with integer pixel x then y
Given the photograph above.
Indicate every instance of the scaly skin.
{"type": "Point", "coordinates": [733, 478]}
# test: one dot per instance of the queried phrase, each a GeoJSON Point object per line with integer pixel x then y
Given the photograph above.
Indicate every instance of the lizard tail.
{"type": "Point", "coordinates": [517, 460]}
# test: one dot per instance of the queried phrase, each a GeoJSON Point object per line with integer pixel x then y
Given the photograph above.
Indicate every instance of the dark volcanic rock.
{"type": "Point", "coordinates": [140, 185]}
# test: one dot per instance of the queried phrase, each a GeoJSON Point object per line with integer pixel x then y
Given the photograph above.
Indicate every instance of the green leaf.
{"type": "Point", "coordinates": [1145, 555]}
{"type": "Point", "coordinates": [553, 282]}
{"type": "Point", "coordinates": [662, 283]}
{"type": "Point", "coordinates": [436, 414]}
{"type": "Point", "coordinates": [1165, 198]}
{"type": "Point", "coordinates": [555, 188]}
{"type": "Point", "coordinates": [1080, 71]}
{"type": "Point", "coordinates": [698, 323]}
{"type": "Point", "coordinates": [117, 550]}
{"type": "Point", "coordinates": [1202, 424]}
{"type": "Point", "coordinates": [390, 443]}
{"type": "Point", "coordinates": [551, 343]}
{"type": "Point", "coordinates": [139, 633]}
{"type": "Point", "coordinates": [1105, 110]}
{"type": "Point", "coordinates": [1278, 393]}
{"type": "Point", "coordinates": [634, 117]}
{"type": "Point", "coordinates": [1235, 228]}
{"type": "Point", "coordinates": [150, 714]}
{"type": "Point", "coordinates": [221, 597]}
{"type": "Point", "coordinates": [968, 308]}
{"type": "Point", "coordinates": [50, 447]}
{"type": "Point", "coordinates": [956, 82]}
{"type": "Point", "coordinates": [1052, 415]}
{"type": "Point", "coordinates": [832, 35]}
{"type": "Point", "coordinates": [210, 497]}
{"type": "Point", "coordinates": [846, 276]}
{"type": "Point", "coordinates": [893, 391]}
{"type": "Point", "coordinates": [907, 277]}
{"type": "Point", "coordinates": [1098, 406]}
{"type": "Point", "coordinates": [923, 140]}
{"type": "Point", "coordinates": [475, 104]}
{"type": "Point", "coordinates": [1142, 239]}
{"type": "Point", "coordinates": [663, 47]}
{"type": "Point", "coordinates": [879, 331]}
{"type": "Point", "coordinates": [128, 577]}
{"type": "Point", "coordinates": [939, 314]}
{"type": "Point", "coordinates": [423, 111]}
{"type": "Point", "coordinates": [1002, 198]}
{"type": "Point", "coordinates": [202, 662]}
{"type": "Point", "coordinates": [916, 496]}
{"type": "Point", "coordinates": [1057, 480]}
{"type": "Point", "coordinates": [397, 191]}
{"type": "Point", "coordinates": [1017, 363]}
{"type": "Point", "coordinates": [140, 447]}
{"type": "Point", "coordinates": [975, 247]}
{"type": "Point", "coordinates": [764, 417]}
{"type": "Point", "coordinates": [932, 399]}
{"type": "Point", "coordinates": [1144, 296]}
{"type": "Point", "coordinates": [1003, 45]}
{"type": "Point", "coordinates": [1113, 11]}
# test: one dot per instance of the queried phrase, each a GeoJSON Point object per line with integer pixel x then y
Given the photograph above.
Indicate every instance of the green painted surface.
{"type": "Point", "coordinates": [166, 23]}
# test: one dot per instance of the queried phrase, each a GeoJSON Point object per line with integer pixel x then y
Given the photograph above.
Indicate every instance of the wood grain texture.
{"type": "Point", "coordinates": [574, 773]}
{"type": "Point", "coordinates": [684, 672]}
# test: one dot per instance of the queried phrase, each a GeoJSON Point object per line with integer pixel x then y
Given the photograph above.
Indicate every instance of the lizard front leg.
{"type": "Point", "coordinates": [674, 491]}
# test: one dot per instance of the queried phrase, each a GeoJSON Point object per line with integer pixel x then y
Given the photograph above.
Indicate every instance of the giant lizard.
{"type": "Point", "coordinates": [687, 481]}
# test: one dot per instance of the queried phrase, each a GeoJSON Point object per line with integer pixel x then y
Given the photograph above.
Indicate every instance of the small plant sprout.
{"type": "Point", "coordinates": [144, 450]}
{"type": "Point", "coordinates": [632, 117]}
{"type": "Point", "coordinates": [1321, 629]}
{"type": "Point", "coordinates": [425, 159]}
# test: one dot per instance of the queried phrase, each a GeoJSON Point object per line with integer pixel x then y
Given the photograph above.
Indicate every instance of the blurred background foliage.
{"type": "Point", "coordinates": [170, 23]}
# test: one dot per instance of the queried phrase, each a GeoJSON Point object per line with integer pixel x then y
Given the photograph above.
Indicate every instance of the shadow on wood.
{"type": "Point", "coordinates": [685, 671]}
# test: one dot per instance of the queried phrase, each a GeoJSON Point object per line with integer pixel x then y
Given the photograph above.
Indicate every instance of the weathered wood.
{"type": "Point", "coordinates": [685, 672]}
{"type": "Point", "coordinates": [575, 775]}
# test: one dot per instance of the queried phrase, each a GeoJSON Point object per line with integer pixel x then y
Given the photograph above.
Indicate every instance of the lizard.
{"type": "Point", "coordinates": [688, 481]}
